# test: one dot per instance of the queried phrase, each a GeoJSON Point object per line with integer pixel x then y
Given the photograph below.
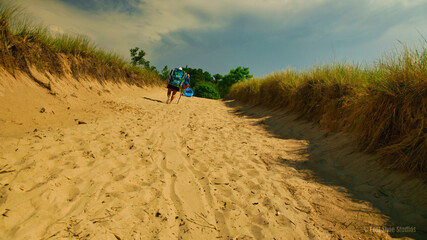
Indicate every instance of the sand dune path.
{"type": "Point", "coordinates": [142, 169]}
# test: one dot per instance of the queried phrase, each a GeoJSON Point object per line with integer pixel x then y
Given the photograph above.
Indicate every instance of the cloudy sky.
{"type": "Point", "coordinates": [218, 35]}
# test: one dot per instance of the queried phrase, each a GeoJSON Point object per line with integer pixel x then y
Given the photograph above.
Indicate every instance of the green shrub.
{"type": "Point", "coordinates": [205, 90]}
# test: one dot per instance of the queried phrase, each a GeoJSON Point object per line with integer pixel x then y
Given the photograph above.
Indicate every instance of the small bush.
{"type": "Point", "coordinates": [205, 90]}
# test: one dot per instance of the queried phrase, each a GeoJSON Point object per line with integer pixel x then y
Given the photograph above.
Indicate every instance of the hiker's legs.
{"type": "Point", "coordinates": [169, 93]}
{"type": "Point", "coordinates": [173, 95]}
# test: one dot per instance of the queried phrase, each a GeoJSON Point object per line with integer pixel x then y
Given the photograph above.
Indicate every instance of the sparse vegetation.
{"type": "Point", "coordinates": [25, 45]}
{"type": "Point", "coordinates": [385, 104]}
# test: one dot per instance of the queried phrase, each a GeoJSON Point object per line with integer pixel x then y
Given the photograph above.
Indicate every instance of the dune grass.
{"type": "Point", "coordinates": [25, 44]}
{"type": "Point", "coordinates": [385, 104]}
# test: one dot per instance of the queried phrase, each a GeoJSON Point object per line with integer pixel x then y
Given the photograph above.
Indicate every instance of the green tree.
{"type": "Point", "coordinates": [165, 72]}
{"type": "Point", "coordinates": [198, 76]}
{"type": "Point", "coordinates": [234, 76]}
{"type": "Point", "coordinates": [218, 77]}
{"type": "Point", "coordinates": [137, 58]}
{"type": "Point", "coordinates": [154, 69]}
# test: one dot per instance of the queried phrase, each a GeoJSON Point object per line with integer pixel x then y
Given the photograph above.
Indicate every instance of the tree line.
{"type": "Point", "coordinates": [203, 83]}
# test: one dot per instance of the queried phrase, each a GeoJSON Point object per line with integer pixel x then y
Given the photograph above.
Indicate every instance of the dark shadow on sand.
{"type": "Point", "coordinates": [335, 160]}
{"type": "Point", "coordinates": [154, 100]}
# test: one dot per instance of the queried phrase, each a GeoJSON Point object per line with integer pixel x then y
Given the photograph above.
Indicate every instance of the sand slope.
{"type": "Point", "coordinates": [141, 169]}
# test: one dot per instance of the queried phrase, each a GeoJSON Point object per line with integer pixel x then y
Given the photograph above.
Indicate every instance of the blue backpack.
{"type": "Point", "coordinates": [177, 77]}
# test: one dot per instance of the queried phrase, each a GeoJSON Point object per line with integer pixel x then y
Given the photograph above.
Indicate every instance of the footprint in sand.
{"type": "Point", "coordinates": [72, 193]}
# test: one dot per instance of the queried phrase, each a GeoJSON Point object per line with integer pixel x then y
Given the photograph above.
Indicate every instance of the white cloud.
{"type": "Point", "coordinates": [384, 4]}
{"type": "Point", "coordinates": [158, 18]}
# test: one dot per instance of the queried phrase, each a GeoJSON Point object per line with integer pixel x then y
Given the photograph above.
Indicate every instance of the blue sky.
{"type": "Point", "coordinates": [219, 35]}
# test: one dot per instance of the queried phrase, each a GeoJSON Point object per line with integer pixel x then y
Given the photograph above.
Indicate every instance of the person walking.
{"type": "Point", "coordinates": [177, 79]}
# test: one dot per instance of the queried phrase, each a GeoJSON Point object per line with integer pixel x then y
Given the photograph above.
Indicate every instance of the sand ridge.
{"type": "Point", "coordinates": [141, 169]}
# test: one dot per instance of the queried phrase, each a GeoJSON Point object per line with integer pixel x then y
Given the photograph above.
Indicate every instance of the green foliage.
{"type": "Point", "coordinates": [234, 76]}
{"type": "Point", "coordinates": [221, 84]}
{"type": "Point", "coordinates": [218, 77]}
{"type": "Point", "coordinates": [206, 90]}
{"type": "Point", "coordinates": [137, 57]}
{"type": "Point", "coordinates": [238, 74]}
{"type": "Point", "coordinates": [198, 76]}
{"type": "Point", "coordinates": [165, 72]}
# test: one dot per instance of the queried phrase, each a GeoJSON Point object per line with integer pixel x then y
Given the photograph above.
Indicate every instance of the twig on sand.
{"type": "Point", "coordinates": [211, 226]}
{"type": "Point", "coordinates": [219, 183]}
{"type": "Point", "coordinates": [117, 237]}
{"type": "Point", "coordinates": [51, 236]}
{"type": "Point", "coordinates": [3, 169]}
{"type": "Point", "coordinates": [102, 219]}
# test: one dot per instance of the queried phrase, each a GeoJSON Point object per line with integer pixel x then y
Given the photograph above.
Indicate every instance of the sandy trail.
{"type": "Point", "coordinates": [141, 169]}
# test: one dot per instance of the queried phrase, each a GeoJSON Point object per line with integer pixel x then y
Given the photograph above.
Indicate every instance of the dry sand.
{"type": "Point", "coordinates": [136, 168]}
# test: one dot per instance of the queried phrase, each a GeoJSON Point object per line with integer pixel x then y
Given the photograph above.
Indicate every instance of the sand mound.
{"type": "Point", "coordinates": [115, 162]}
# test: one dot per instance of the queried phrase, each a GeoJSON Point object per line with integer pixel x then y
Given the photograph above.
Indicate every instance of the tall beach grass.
{"type": "Point", "coordinates": [384, 104]}
{"type": "Point", "coordinates": [25, 44]}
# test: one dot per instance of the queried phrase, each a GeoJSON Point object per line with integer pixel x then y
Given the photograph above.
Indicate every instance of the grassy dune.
{"type": "Point", "coordinates": [24, 45]}
{"type": "Point", "coordinates": [385, 104]}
